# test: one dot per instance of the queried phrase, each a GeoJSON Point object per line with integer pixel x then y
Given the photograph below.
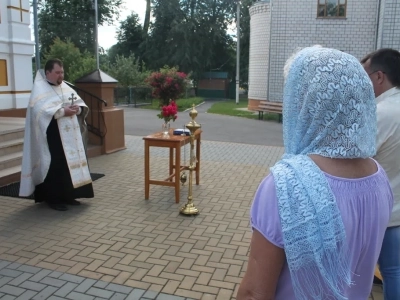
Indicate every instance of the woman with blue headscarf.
{"type": "Point", "coordinates": [319, 218]}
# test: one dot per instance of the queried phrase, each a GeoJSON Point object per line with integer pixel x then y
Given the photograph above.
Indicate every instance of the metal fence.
{"type": "Point", "coordinates": [133, 96]}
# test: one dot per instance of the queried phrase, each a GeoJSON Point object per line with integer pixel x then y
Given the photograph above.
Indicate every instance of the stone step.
{"type": "Point", "coordinates": [11, 146]}
{"type": "Point", "coordinates": [10, 160]}
{"type": "Point", "coordinates": [10, 175]}
{"type": "Point", "coordinates": [10, 164]}
{"type": "Point", "coordinates": [13, 134]}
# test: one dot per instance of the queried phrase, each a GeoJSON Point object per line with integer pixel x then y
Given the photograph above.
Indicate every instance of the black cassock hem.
{"type": "Point", "coordinates": [57, 186]}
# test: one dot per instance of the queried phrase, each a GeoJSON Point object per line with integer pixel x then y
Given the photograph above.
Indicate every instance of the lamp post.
{"type": "Point", "coordinates": [36, 31]}
{"type": "Point", "coordinates": [96, 34]}
{"type": "Point", "coordinates": [237, 51]}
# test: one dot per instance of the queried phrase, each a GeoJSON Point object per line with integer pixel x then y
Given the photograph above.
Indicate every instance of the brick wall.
{"type": "Point", "coordinates": [389, 24]}
{"type": "Point", "coordinates": [295, 24]}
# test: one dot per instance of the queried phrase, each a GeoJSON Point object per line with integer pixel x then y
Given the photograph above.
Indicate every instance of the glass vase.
{"type": "Point", "coordinates": [165, 128]}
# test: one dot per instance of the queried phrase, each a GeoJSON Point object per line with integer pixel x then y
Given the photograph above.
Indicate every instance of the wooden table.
{"type": "Point", "coordinates": [173, 142]}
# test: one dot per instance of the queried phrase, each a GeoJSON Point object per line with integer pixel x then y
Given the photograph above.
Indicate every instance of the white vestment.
{"type": "Point", "coordinates": [44, 102]}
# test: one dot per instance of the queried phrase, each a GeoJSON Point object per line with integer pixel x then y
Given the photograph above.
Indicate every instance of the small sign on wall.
{"type": "Point", "coordinates": [3, 72]}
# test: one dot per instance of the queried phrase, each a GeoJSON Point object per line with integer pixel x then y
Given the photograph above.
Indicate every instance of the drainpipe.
{"type": "Point", "coordinates": [238, 52]}
{"type": "Point", "coordinates": [377, 46]}
{"type": "Point", "coordinates": [96, 33]}
{"type": "Point", "coordinates": [36, 30]}
{"type": "Point", "coordinates": [269, 49]}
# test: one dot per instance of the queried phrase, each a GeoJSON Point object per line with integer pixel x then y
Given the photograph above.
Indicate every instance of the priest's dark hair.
{"type": "Point", "coordinates": [49, 66]}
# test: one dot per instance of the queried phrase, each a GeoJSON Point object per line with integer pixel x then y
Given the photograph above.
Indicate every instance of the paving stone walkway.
{"type": "Point", "coordinates": [120, 238]}
{"type": "Point", "coordinates": [26, 282]}
{"type": "Point", "coordinates": [120, 246]}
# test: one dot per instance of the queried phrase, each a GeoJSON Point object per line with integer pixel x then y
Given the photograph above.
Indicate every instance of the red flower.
{"type": "Point", "coordinates": [169, 112]}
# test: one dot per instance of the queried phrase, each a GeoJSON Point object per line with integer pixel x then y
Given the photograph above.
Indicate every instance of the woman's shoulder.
{"type": "Point", "coordinates": [372, 174]}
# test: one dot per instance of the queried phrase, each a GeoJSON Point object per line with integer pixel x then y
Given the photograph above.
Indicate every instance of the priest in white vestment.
{"type": "Point", "coordinates": [54, 163]}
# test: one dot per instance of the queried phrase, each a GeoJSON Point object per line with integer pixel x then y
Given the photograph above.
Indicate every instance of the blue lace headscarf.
{"type": "Point", "coordinates": [328, 109]}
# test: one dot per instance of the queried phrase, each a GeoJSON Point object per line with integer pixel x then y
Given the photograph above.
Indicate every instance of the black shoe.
{"type": "Point", "coordinates": [73, 202]}
{"type": "Point", "coordinates": [58, 206]}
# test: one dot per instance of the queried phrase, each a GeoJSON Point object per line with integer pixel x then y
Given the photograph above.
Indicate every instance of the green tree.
{"type": "Point", "coordinates": [191, 34]}
{"type": "Point", "coordinates": [73, 19]}
{"type": "Point", "coordinates": [128, 71]}
{"type": "Point", "coordinates": [245, 41]}
{"type": "Point", "coordinates": [112, 53]}
{"type": "Point", "coordinates": [76, 64]}
{"type": "Point", "coordinates": [129, 36]}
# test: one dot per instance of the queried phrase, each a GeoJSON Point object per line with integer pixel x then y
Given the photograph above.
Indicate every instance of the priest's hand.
{"type": "Point", "coordinates": [71, 110]}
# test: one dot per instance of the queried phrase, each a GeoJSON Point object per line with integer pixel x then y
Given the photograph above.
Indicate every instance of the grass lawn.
{"type": "Point", "coordinates": [230, 108]}
{"type": "Point", "coordinates": [182, 104]}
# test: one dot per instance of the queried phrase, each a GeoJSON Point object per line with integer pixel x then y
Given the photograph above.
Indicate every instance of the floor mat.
{"type": "Point", "coordinates": [12, 190]}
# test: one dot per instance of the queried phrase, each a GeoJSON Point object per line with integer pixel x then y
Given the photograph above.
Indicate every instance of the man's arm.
{"type": "Point", "coordinates": [264, 267]}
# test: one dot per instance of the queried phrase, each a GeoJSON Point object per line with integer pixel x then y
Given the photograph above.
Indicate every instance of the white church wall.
{"type": "Point", "coordinates": [295, 24]}
{"type": "Point", "coordinates": [389, 35]}
{"type": "Point", "coordinates": [259, 45]}
{"type": "Point", "coordinates": [16, 48]}
{"type": "Point", "coordinates": [6, 102]}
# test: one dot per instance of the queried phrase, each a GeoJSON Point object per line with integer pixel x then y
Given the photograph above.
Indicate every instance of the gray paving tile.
{"type": "Point", "coordinates": [119, 288]}
{"type": "Point", "coordinates": [136, 294]}
{"type": "Point", "coordinates": [34, 286]}
{"type": "Point", "coordinates": [71, 278]}
{"type": "Point", "coordinates": [4, 280]}
{"type": "Point", "coordinates": [40, 275]}
{"type": "Point", "coordinates": [29, 269]}
{"type": "Point", "coordinates": [79, 296]}
{"type": "Point", "coordinates": [10, 273]}
{"type": "Point", "coordinates": [27, 295]}
{"type": "Point", "coordinates": [101, 284]}
{"type": "Point", "coordinates": [12, 290]}
{"type": "Point", "coordinates": [150, 295]}
{"type": "Point", "coordinates": [168, 297]}
{"type": "Point", "coordinates": [14, 266]}
{"type": "Point", "coordinates": [66, 289]}
{"type": "Point", "coordinates": [8, 297]}
{"type": "Point", "coordinates": [55, 298]}
{"type": "Point", "coordinates": [4, 263]}
{"type": "Point", "coordinates": [85, 285]}
{"type": "Point", "coordinates": [53, 281]}
{"type": "Point", "coordinates": [100, 293]}
{"type": "Point", "coordinates": [46, 293]}
{"type": "Point", "coordinates": [20, 279]}
{"type": "Point", "coordinates": [55, 274]}
{"type": "Point", "coordinates": [118, 296]}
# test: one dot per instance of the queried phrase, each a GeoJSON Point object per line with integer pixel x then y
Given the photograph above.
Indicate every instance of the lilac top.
{"type": "Point", "coordinates": [365, 205]}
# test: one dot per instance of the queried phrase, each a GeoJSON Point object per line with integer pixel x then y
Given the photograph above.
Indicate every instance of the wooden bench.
{"type": "Point", "coordinates": [271, 107]}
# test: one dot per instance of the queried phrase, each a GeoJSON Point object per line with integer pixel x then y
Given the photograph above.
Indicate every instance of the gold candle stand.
{"type": "Point", "coordinates": [189, 208]}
